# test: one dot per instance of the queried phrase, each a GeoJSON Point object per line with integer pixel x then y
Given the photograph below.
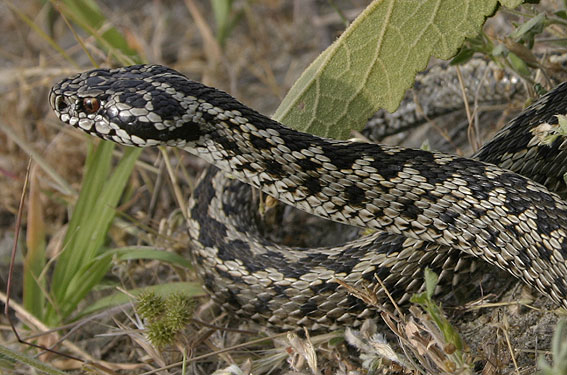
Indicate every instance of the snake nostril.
{"type": "Point", "coordinates": [60, 104]}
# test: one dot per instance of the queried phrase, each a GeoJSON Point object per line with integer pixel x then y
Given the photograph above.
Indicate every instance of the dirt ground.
{"type": "Point", "coordinates": [268, 48]}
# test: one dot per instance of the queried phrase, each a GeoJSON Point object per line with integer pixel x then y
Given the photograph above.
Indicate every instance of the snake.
{"type": "Point", "coordinates": [504, 205]}
{"type": "Point", "coordinates": [436, 88]}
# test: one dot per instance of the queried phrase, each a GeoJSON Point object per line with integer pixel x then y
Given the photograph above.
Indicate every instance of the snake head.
{"type": "Point", "coordinates": [139, 105]}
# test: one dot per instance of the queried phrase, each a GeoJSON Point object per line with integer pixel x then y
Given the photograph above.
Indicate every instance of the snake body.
{"type": "Point", "coordinates": [435, 92]}
{"type": "Point", "coordinates": [426, 205]}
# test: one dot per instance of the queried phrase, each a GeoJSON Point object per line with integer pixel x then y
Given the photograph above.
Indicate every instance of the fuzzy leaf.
{"type": "Point", "coordinates": [375, 61]}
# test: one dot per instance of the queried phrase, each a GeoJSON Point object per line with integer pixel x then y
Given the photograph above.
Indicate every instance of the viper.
{"type": "Point", "coordinates": [424, 205]}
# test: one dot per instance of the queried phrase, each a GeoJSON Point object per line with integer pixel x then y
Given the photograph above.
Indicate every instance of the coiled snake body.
{"type": "Point", "coordinates": [425, 204]}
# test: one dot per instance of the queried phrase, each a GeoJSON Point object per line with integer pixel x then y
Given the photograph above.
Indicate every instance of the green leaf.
{"type": "Point", "coordinates": [561, 14]}
{"type": "Point", "coordinates": [375, 61]}
{"type": "Point", "coordinates": [431, 280]}
{"type": "Point", "coordinates": [464, 55]}
{"type": "Point", "coordinates": [562, 121]}
{"type": "Point", "coordinates": [142, 252]}
{"type": "Point", "coordinates": [419, 298]}
{"type": "Point", "coordinates": [535, 24]}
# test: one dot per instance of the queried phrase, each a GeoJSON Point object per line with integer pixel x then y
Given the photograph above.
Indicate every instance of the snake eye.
{"type": "Point", "coordinates": [91, 105]}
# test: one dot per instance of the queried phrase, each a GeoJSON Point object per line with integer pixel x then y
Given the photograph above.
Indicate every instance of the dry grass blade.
{"type": "Point", "coordinates": [213, 50]}
{"type": "Point", "coordinates": [61, 184]}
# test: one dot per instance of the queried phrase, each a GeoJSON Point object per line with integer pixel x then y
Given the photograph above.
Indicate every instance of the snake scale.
{"type": "Point", "coordinates": [426, 206]}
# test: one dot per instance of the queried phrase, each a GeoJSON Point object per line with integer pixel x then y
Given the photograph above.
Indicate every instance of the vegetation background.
{"type": "Point", "coordinates": [254, 50]}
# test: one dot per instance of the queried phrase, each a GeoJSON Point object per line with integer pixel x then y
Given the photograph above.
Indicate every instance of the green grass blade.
{"type": "Point", "coordinates": [92, 273]}
{"type": "Point", "coordinates": [34, 260]}
{"type": "Point", "coordinates": [83, 281]}
{"type": "Point", "coordinates": [77, 240]}
{"type": "Point", "coordinates": [87, 230]}
{"type": "Point", "coordinates": [224, 19]}
{"type": "Point", "coordinates": [74, 274]}
{"type": "Point", "coordinates": [150, 253]}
